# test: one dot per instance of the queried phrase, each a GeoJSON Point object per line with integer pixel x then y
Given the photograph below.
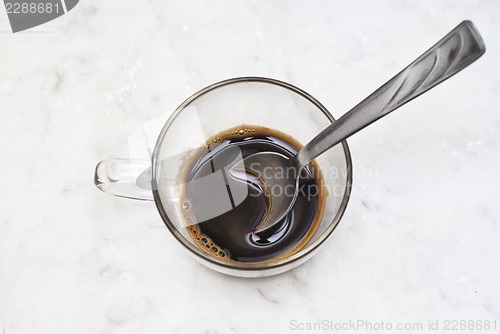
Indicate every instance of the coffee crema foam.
{"type": "Point", "coordinates": [201, 239]}
{"type": "Point", "coordinates": [230, 236]}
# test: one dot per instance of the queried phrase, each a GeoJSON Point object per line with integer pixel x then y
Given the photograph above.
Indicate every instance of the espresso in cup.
{"type": "Point", "coordinates": [222, 213]}
{"type": "Point", "coordinates": [216, 216]}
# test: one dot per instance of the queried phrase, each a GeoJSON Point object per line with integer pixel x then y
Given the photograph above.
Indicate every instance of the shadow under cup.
{"type": "Point", "coordinates": [228, 105]}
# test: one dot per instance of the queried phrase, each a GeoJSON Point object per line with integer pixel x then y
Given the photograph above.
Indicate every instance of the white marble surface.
{"type": "Point", "coordinates": [420, 239]}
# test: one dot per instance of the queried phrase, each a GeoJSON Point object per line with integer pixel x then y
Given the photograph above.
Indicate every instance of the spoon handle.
{"type": "Point", "coordinates": [458, 49]}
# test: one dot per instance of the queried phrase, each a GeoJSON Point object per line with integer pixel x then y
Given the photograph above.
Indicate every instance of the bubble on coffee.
{"type": "Point", "coordinates": [221, 213]}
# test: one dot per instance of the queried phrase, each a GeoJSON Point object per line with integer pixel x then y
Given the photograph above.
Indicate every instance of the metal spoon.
{"type": "Point", "coordinates": [458, 49]}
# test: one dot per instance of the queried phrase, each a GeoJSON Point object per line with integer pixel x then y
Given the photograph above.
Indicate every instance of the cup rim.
{"type": "Point", "coordinates": [250, 266]}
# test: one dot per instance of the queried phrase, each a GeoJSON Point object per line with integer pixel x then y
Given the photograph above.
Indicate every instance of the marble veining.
{"type": "Point", "coordinates": [420, 238]}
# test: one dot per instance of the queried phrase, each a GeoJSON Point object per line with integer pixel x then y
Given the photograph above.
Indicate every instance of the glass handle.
{"type": "Point", "coordinates": [125, 178]}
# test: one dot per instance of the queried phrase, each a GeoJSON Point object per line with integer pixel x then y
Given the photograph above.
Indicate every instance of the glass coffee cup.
{"type": "Point", "coordinates": [231, 106]}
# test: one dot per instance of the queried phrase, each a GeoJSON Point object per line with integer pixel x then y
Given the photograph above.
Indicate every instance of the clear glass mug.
{"type": "Point", "coordinates": [224, 106]}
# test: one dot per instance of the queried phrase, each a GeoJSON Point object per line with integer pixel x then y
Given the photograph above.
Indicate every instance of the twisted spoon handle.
{"type": "Point", "coordinates": [458, 49]}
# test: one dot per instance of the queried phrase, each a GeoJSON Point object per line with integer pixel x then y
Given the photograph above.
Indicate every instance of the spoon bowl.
{"type": "Point", "coordinates": [280, 189]}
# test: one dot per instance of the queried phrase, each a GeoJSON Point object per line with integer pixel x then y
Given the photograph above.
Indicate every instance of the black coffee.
{"type": "Point", "coordinates": [222, 219]}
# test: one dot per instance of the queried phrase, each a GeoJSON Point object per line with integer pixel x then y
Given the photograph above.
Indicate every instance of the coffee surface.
{"type": "Point", "coordinates": [222, 212]}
